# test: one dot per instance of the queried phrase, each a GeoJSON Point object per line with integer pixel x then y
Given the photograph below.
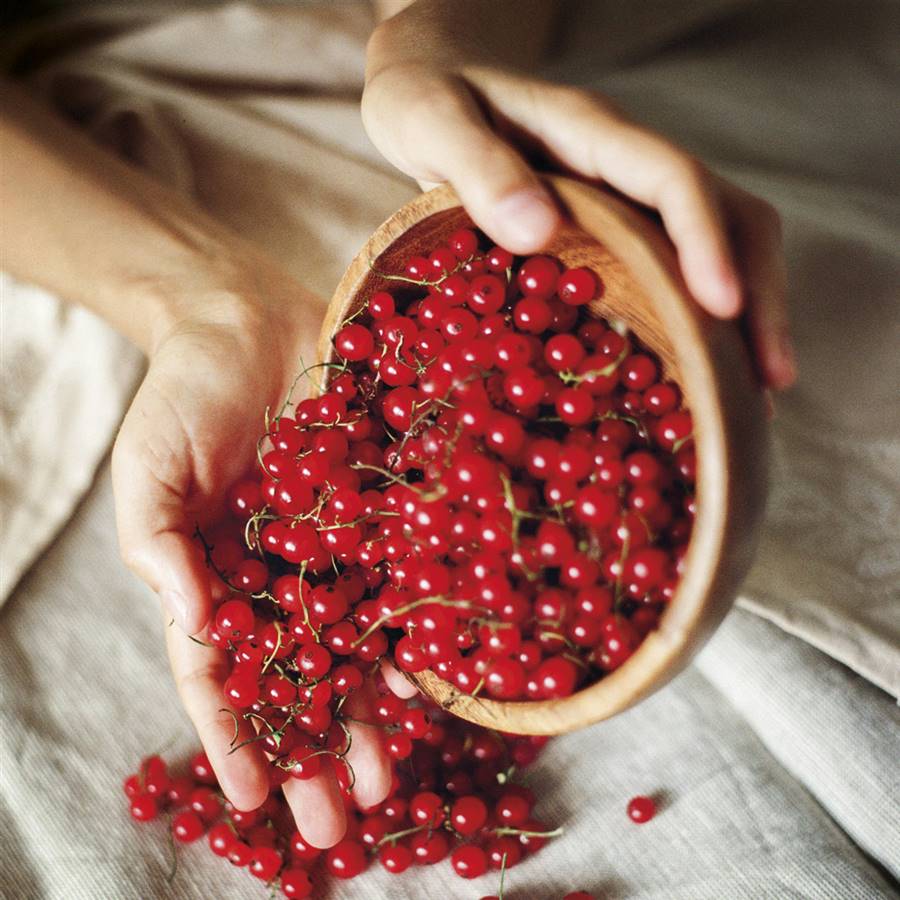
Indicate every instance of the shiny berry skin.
{"type": "Point", "coordinates": [381, 306]}
{"type": "Point", "coordinates": [301, 850]}
{"type": "Point", "coordinates": [398, 407]}
{"type": "Point", "coordinates": [220, 838]}
{"type": "Point", "coordinates": [557, 677]}
{"type": "Point", "coordinates": [265, 863]}
{"type": "Point", "coordinates": [468, 815]}
{"type": "Point", "coordinates": [498, 259]}
{"type": "Point", "coordinates": [205, 803]}
{"type": "Point", "coordinates": [523, 387]}
{"type": "Point", "coordinates": [313, 660]}
{"type": "Point", "coordinates": [563, 352]}
{"type": "Point", "coordinates": [637, 372]}
{"type": "Point", "coordinates": [202, 770]}
{"type": "Point", "coordinates": [538, 277]}
{"type": "Point", "coordinates": [512, 810]}
{"type": "Point", "coordinates": [661, 398]}
{"type": "Point", "coordinates": [398, 745]}
{"type": "Point", "coordinates": [463, 243]}
{"type": "Point", "coordinates": [504, 679]}
{"type": "Point", "coordinates": [235, 619]}
{"type": "Point", "coordinates": [577, 286]}
{"type": "Point", "coordinates": [642, 468]}
{"type": "Point", "coordinates": [429, 847]}
{"type": "Point", "coordinates": [241, 689]}
{"type": "Point", "coordinates": [674, 429]}
{"type": "Point", "coordinates": [144, 808]}
{"type": "Point", "coordinates": [532, 315]}
{"type": "Point", "coordinates": [245, 497]}
{"type": "Point", "coordinates": [346, 859]}
{"type": "Point", "coordinates": [641, 809]}
{"type": "Point", "coordinates": [295, 884]}
{"type": "Point", "coordinates": [595, 507]}
{"type": "Point", "coordinates": [575, 406]}
{"type": "Point", "coordinates": [503, 851]}
{"type": "Point", "coordinates": [487, 293]}
{"type": "Point", "coordinates": [469, 861]}
{"type": "Point", "coordinates": [426, 808]}
{"type": "Point", "coordinates": [354, 342]}
{"type": "Point", "coordinates": [239, 854]}
{"type": "Point", "coordinates": [396, 859]}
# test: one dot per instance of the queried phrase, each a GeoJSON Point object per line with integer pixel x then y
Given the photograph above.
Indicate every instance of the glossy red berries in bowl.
{"type": "Point", "coordinates": [570, 458]}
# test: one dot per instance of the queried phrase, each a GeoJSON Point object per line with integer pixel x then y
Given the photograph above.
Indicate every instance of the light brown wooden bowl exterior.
{"type": "Point", "coordinates": [642, 286]}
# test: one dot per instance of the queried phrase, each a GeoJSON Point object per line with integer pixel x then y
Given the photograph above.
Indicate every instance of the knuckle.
{"type": "Point", "coordinates": [690, 171]}
{"type": "Point", "coordinates": [578, 102]}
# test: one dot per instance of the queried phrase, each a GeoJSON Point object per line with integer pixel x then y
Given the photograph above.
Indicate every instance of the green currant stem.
{"type": "Point", "coordinates": [502, 876]}
{"type": "Point", "coordinates": [396, 835]}
{"type": "Point", "coordinates": [504, 830]}
{"type": "Point", "coordinates": [237, 724]}
{"type": "Point", "coordinates": [207, 553]}
{"type": "Point", "coordinates": [396, 479]}
{"type": "Point", "coordinates": [173, 866]}
{"type": "Point", "coordinates": [196, 640]}
{"type": "Point", "coordinates": [268, 660]}
{"type": "Point", "coordinates": [409, 607]}
{"type": "Point", "coordinates": [572, 378]}
{"type": "Point", "coordinates": [576, 659]}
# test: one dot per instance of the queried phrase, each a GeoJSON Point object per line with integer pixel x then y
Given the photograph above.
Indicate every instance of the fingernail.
{"type": "Point", "coordinates": [526, 219]}
{"type": "Point", "coordinates": [177, 606]}
{"type": "Point", "coordinates": [725, 290]}
{"type": "Point", "coordinates": [730, 300]}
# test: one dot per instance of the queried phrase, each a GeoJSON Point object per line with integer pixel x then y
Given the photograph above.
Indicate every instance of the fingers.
{"type": "Point", "coordinates": [397, 682]}
{"type": "Point", "coordinates": [367, 755]}
{"type": "Point", "coordinates": [150, 477]}
{"type": "Point", "coordinates": [318, 807]}
{"type": "Point", "coordinates": [757, 234]}
{"type": "Point", "coordinates": [585, 134]}
{"type": "Point", "coordinates": [199, 674]}
{"type": "Point", "coordinates": [452, 141]}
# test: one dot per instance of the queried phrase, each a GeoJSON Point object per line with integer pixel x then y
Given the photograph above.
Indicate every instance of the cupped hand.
{"type": "Point", "coordinates": [189, 434]}
{"type": "Point", "coordinates": [477, 127]}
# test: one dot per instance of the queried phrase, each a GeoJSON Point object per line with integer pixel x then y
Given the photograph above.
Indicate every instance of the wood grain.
{"type": "Point", "coordinates": [636, 264]}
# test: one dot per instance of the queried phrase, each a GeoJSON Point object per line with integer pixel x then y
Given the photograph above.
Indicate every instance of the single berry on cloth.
{"type": "Point", "coordinates": [641, 809]}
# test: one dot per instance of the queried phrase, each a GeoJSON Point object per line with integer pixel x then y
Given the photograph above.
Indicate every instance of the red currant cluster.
{"type": "Point", "coordinates": [490, 484]}
{"type": "Point", "coordinates": [527, 477]}
{"type": "Point", "coordinates": [460, 803]}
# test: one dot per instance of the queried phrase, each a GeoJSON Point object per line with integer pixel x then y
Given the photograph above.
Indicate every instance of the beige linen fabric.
{"type": "Point", "coordinates": [779, 762]}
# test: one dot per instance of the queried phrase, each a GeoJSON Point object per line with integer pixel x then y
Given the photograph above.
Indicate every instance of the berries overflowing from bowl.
{"type": "Point", "coordinates": [526, 474]}
{"type": "Point", "coordinates": [490, 483]}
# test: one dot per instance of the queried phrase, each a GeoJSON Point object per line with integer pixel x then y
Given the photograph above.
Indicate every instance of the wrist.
{"type": "Point", "coordinates": [451, 34]}
{"type": "Point", "coordinates": [414, 38]}
{"type": "Point", "coordinates": [225, 286]}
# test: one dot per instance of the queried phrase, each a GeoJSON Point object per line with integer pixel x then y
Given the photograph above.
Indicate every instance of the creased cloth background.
{"type": "Point", "coordinates": [777, 752]}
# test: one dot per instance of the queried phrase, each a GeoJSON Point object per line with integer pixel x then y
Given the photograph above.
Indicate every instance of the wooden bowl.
{"type": "Point", "coordinates": [636, 264]}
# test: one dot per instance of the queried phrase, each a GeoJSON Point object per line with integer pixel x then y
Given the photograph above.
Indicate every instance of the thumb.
{"type": "Point", "coordinates": [155, 532]}
{"type": "Point", "coordinates": [447, 138]}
